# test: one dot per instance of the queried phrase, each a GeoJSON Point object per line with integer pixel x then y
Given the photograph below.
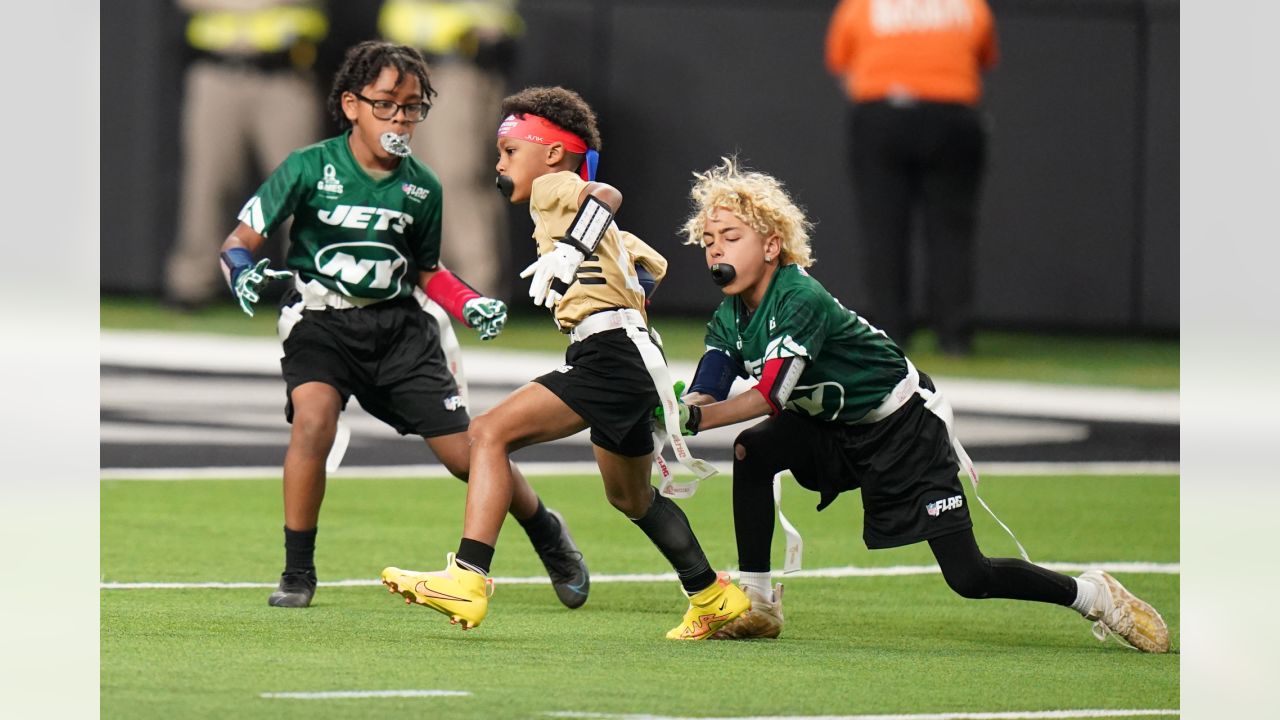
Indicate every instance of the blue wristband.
{"type": "Point", "coordinates": [236, 260]}
{"type": "Point", "coordinates": [715, 374]}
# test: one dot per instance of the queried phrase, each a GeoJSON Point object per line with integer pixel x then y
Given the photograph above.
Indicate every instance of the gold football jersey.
{"type": "Point", "coordinates": [606, 280]}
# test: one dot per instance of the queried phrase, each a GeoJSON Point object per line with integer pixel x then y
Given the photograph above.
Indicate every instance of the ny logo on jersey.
{"type": "Point", "coordinates": [367, 265]}
{"type": "Point", "coordinates": [358, 217]}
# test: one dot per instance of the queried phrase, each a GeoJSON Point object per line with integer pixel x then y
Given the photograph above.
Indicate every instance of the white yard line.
{"type": "Point", "coordinates": [272, 472]}
{"type": "Point", "coordinates": [347, 694]}
{"type": "Point", "coordinates": [831, 572]}
{"type": "Point", "coordinates": [1015, 715]}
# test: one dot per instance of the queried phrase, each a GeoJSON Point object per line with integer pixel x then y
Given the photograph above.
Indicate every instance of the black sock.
{"type": "Point", "coordinates": [542, 527]}
{"type": "Point", "coordinates": [300, 550]}
{"type": "Point", "coordinates": [668, 528]}
{"type": "Point", "coordinates": [476, 554]}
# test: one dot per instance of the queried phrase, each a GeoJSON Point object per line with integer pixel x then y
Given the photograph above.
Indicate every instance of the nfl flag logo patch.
{"type": "Point", "coordinates": [937, 507]}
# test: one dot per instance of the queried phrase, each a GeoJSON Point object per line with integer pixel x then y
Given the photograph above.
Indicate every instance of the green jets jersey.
{"type": "Point", "coordinates": [849, 364]}
{"type": "Point", "coordinates": [361, 237]}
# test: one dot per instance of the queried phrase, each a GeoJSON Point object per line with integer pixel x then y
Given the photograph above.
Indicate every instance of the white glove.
{"type": "Point", "coordinates": [559, 264]}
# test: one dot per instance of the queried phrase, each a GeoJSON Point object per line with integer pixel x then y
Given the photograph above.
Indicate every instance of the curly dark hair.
{"type": "Point", "coordinates": [362, 65]}
{"type": "Point", "coordinates": [561, 106]}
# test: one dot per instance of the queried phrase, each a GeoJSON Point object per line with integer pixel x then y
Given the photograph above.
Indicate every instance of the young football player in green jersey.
{"type": "Point", "coordinates": [586, 274]}
{"type": "Point", "coordinates": [846, 409]}
{"type": "Point", "coordinates": [364, 254]}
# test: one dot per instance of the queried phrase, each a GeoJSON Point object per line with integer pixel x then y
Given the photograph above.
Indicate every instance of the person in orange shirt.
{"type": "Point", "coordinates": [916, 140]}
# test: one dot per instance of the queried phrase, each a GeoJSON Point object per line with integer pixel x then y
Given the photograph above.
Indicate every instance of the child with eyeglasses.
{"type": "Point", "coordinates": [364, 258]}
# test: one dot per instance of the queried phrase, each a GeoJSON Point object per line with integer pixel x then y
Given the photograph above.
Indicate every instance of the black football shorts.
{"type": "Point", "coordinates": [388, 355]}
{"type": "Point", "coordinates": [605, 382]}
{"type": "Point", "coordinates": [904, 464]}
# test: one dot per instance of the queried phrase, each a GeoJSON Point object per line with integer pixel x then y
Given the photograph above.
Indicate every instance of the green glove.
{"type": "Point", "coordinates": [250, 280]}
{"type": "Point", "coordinates": [485, 315]}
{"type": "Point", "coordinates": [661, 414]}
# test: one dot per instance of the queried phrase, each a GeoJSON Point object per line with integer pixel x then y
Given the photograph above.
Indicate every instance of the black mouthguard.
{"type": "Point", "coordinates": [505, 185]}
{"type": "Point", "coordinates": [722, 274]}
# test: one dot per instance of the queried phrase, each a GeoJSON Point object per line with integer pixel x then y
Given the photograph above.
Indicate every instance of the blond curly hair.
{"type": "Point", "coordinates": [758, 199]}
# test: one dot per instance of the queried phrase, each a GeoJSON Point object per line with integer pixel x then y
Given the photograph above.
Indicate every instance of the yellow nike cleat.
{"type": "Point", "coordinates": [710, 609]}
{"type": "Point", "coordinates": [461, 594]}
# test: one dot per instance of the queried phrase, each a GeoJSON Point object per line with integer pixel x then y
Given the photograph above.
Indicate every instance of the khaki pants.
{"type": "Point", "coordinates": [229, 113]}
{"type": "Point", "coordinates": [458, 140]}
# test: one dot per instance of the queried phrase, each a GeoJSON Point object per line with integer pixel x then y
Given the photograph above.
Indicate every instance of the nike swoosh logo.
{"type": "Point", "coordinates": [723, 603]}
{"type": "Point", "coordinates": [428, 592]}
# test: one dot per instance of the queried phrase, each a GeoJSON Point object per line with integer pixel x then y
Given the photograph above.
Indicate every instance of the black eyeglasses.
{"type": "Point", "coordinates": [387, 109]}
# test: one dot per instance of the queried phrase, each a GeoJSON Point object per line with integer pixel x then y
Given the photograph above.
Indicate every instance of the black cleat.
{"type": "Point", "coordinates": [565, 567]}
{"type": "Point", "coordinates": [295, 590]}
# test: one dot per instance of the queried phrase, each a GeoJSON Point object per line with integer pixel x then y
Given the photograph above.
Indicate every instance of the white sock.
{"type": "Point", "coordinates": [468, 566]}
{"type": "Point", "coordinates": [1086, 594]}
{"type": "Point", "coordinates": [759, 581]}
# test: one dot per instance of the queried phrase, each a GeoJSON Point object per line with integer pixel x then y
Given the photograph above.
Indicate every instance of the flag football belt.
{"type": "Point", "coordinates": [290, 315]}
{"type": "Point", "coordinates": [448, 341]}
{"type": "Point", "coordinates": [604, 321]}
{"type": "Point", "coordinates": [935, 403]}
{"type": "Point", "coordinates": [633, 322]}
{"type": "Point", "coordinates": [318, 297]}
{"type": "Point", "coordinates": [314, 297]}
{"type": "Point", "coordinates": [895, 398]}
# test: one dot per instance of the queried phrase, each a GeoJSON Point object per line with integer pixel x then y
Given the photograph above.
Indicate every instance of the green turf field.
{"type": "Point", "coordinates": [858, 645]}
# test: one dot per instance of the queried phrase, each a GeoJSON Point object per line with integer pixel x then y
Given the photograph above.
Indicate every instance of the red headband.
{"type": "Point", "coordinates": [542, 131]}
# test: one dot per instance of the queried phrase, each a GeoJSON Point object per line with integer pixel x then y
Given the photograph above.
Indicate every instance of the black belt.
{"type": "Point", "coordinates": [260, 62]}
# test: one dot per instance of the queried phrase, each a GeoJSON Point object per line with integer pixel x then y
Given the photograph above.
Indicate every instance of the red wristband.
{"type": "Point", "coordinates": [451, 293]}
{"type": "Point", "coordinates": [778, 379]}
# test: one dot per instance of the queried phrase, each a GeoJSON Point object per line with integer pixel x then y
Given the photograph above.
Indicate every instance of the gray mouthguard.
{"type": "Point", "coordinates": [397, 145]}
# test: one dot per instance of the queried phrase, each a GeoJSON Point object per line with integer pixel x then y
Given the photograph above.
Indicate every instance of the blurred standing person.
{"type": "Point", "coordinates": [912, 71]}
{"type": "Point", "coordinates": [249, 90]}
{"type": "Point", "coordinates": [470, 46]}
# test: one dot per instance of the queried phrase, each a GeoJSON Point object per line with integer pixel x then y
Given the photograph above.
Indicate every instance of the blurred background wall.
{"type": "Point", "coordinates": [1079, 227]}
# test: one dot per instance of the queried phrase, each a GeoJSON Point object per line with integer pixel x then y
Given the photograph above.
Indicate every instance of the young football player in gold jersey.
{"type": "Point", "coordinates": [586, 273]}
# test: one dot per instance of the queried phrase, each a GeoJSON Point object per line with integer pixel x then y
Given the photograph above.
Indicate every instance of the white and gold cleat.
{"type": "Point", "coordinates": [763, 620]}
{"type": "Point", "coordinates": [1121, 612]}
